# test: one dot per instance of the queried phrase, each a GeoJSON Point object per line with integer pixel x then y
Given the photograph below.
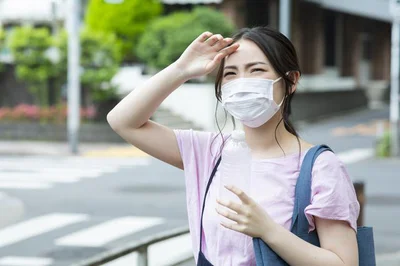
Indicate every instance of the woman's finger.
{"type": "Point", "coordinates": [235, 227]}
{"type": "Point", "coordinates": [240, 193]}
{"type": "Point", "coordinates": [231, 205]}
{"type": "Point", "coordinates": [228, 214]}
{"type": "Point", "coordinates": [222, 44]}
{"type": "Point", "coordinates": [223, 53]}
{"type": "Point", "coordinates": [204, 36]}
{"type": "Point", "coordinates": [229, 50]}
{"type": "Point", "coordinates": [214, 39]}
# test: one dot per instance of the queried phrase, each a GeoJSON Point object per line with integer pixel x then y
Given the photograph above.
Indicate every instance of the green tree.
{"type": "Point", "coordinates": [127, 20]}
{"type": "Point", "coordinates": [100, 60]}
{"type": "Point", "coordinates": [167, 37]}
{"type": "Point", "coordinates": [2, 46]}
{"type": "Point", "coordinates": [29, 47]}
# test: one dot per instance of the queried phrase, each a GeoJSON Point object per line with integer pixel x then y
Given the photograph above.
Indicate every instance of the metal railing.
{"type": "Point", "coordinates": [140, 246]}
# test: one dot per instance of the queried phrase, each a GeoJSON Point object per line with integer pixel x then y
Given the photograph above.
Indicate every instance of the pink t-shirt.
{"type": "Point", "coordinates": [272, 186]}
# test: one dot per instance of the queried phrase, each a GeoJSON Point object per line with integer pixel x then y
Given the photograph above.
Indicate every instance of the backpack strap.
{"type": "Point", "coordinates": [303, 189]}
{"type": "Point", "coordinates": [204, 200]}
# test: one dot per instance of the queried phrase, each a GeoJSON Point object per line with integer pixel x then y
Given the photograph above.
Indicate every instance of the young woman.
{"type": "Point", "coordinates": [258, 74]}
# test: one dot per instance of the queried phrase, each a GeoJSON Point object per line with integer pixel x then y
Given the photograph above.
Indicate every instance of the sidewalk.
{"type": "Point", "coordinates": [26, 148]}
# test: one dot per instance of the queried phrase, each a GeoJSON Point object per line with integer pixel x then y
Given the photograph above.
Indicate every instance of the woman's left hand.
{"type": "Point", "coordinates": [249, 217]}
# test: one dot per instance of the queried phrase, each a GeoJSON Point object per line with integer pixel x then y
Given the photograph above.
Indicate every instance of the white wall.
{"type": "Point", "coordinates": [30, 10]}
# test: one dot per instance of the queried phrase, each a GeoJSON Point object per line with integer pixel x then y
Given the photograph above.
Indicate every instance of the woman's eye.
{"type": "Point", "coordinates": [229, 73]}
{"type": "Point", "coordinates": [257, 69]}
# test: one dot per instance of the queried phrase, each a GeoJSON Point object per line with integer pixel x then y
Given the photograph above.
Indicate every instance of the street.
{"type": "Point", "coordinates": [113, 200]}
{"type": "Point", "coordinates": [76, 207]}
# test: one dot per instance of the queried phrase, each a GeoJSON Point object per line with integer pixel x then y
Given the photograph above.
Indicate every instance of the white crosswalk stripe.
{"type": "Point", "coordinates": [355, 155]}
{"type": "Point", "coordinates": [96, 235]}
{"type": "Point", "coordinates": [36, 173]}
{"type": "Point", "coordinates": [25, 261]}
{"type": "Point", "coordinates": [37, 226]}
{"type": "Point", "coordinates": [24, 185]}
{"type": "Point", "coordinates": [45, 177]}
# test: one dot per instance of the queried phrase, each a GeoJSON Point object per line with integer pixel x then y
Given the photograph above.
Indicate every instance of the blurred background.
{"type": "Point", "coordinates": [62, 206]}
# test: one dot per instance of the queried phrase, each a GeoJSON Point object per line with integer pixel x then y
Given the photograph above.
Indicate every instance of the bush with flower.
{"type": "Point", "coordinates": [52, 114]}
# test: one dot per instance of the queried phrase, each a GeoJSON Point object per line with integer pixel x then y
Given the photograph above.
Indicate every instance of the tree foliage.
{"type": "Point", "coordinates": [100, 60]}
{"type": "Point", "coordinates": [2, 46]}
{"type": "Point", "coordinates": [167, 37]}
{"type": "Point", "coordinates": [127, 20]}
{"type": "Point", "coordinates": [29, 47]}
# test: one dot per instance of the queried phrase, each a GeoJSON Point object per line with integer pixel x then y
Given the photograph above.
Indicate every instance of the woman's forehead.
{"type": "Point", "coordinates": [247, 52]}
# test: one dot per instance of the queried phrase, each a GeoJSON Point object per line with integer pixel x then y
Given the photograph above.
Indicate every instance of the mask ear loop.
{"type": "Point", "coordinates": [286, 74]}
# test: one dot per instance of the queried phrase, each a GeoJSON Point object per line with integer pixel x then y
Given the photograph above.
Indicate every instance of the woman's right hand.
{"type": "Point", "coordinates": [204, 54]}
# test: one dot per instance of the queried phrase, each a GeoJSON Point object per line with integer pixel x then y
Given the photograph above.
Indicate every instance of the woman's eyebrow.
{"type": "Point", "coordinates": [246, 66]}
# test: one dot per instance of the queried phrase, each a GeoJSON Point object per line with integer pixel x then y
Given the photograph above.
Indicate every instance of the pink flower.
{"type": "Point", "coordinates": [4, 113]}
{"type": "Point", "coordinates": [90, 112]}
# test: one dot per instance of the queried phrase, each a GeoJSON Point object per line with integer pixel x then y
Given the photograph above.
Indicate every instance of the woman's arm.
{"type": "Point", "coordinates": [337, 238]}
{"type": "Point", "coordinates": [130, 118]}
{"type": "Point", "coordinates": [338, 245]}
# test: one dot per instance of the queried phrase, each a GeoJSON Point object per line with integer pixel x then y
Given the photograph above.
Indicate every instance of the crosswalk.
{"type": "Point", "coordinates": [101, 233]}
{"type": "Point", "coordinates": [36, 173]}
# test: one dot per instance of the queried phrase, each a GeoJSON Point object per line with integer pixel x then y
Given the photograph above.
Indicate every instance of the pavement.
{"type": "Point", "coordinates": [120, 191]}
{"type": "Point", "coordinates": [42, 148]}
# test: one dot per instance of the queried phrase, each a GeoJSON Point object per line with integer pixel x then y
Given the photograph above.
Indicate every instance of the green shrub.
{"type": "Point", "coordinates": [28, 46]}
{"type": "Point", "coordinates": [167, 37]}
{"type": "Point", "coordinates": [2, 45]}
{"type": "Point", "coordinates": [100, 59]}
{"type": "Point", "coordinates": [127, 20]}
{"type": "Point", "coordinates": [383, 146]}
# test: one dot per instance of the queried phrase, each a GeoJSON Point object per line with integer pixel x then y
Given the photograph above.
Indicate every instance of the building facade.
{"type": "Point", "coordinates": [341, 44]}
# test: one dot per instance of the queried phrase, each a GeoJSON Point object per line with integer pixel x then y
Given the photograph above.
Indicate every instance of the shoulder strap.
{"type": "Point", "coordinates": [204, 200]}
{"type": "Point", "coordinates": [303, 189]}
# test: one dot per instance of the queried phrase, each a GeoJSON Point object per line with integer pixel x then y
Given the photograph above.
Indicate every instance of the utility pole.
{"type": "Point", "coordinates": [54, 18]}
{"type": "Point", "coordinates": [394, 84]}
{"type": "Point", "coordinates": [73, 83]}
{"type": "Point", "coordinates": [285, 17]}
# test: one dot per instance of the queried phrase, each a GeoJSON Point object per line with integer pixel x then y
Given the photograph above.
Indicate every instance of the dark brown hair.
{"type": "Point", "coordinates": [283, 57]}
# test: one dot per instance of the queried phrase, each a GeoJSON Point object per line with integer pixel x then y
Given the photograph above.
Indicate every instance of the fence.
{"type": "Point", "coordinates": [141, 246]}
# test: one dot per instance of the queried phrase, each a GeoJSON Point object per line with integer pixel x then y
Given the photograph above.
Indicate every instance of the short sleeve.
{"type": "Point", "coordinates": [198, 149]}
{"type": "Point", "coordinates": [333, 196]}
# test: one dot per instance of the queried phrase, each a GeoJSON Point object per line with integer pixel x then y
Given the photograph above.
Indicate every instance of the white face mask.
{"type": "Point", "coordinates": [250, 100]}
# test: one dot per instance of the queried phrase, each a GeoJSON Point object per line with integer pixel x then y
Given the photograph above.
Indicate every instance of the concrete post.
{"type": "Point", "coordinates": [73, 7]}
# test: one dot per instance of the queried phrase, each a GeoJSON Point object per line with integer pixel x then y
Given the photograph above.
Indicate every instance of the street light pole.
{"type": "Point", "coordinates": [394, 89]}
{"type": "Point", "coordinates": [394, 83]}
{"type": "Point", "coordinates": [73, 83]}
{"type": "Point", "coordinates": [285, 17]}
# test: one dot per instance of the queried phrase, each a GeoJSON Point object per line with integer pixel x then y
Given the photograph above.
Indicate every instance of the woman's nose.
{"type": "Point", "coordinates": [243, 74]}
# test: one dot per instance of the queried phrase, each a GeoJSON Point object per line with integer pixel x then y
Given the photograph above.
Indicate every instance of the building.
{"type": "Point", "coordinates": [343, 45]}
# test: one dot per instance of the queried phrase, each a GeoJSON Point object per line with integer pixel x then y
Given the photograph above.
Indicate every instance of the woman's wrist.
{"type": "Point", "coordinates": [180, 72]}
{"type": "Point", "coordinates": [270, 233]}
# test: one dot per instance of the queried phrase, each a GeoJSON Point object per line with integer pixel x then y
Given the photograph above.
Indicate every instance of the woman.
{"type": "Point", "coordinates": [265, 61]}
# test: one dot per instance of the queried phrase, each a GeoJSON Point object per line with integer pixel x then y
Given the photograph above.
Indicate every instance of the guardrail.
{"type": "Point", "coordinates": [140, 246]}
